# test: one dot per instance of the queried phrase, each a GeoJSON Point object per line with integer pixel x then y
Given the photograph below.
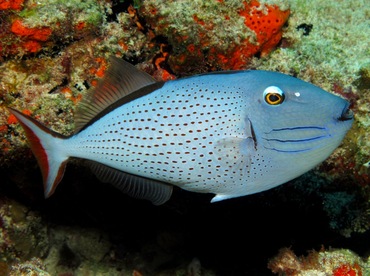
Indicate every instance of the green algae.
{"type": "Point", "coordinates": [336, 48]}
{"type": "Point", "coordinates": [49, 12]}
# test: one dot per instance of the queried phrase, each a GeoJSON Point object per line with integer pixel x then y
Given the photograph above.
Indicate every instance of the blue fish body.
{"type": "Point", "coordinates": [228, 133]}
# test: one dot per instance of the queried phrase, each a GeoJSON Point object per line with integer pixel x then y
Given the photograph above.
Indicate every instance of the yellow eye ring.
{"type": "Point", "coordinates": [273, 95]}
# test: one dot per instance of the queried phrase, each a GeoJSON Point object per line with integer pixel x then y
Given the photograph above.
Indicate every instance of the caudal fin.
{"type": "Point", "coordinates": [45, 145]}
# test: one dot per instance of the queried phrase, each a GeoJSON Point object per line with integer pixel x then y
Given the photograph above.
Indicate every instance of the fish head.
{"type": "Point", "coordinates": [295, 124]}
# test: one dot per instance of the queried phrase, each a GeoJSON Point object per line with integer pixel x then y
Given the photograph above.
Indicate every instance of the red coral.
{"type": "Point", "coordinates": [13, 120]}
{"type": "Point", "coordinates": [80, 25]}
{"type": "Point", "coordinates": [347, 270]}
{"type": "Point", "coordinates": [99, 72]}
{"type": "Point", "coordinates": [11, 4]}
{"type": "Point", "coordinates": [16, 37]}
{"type": "Point", "coordinates": [31, 46]}
{"type": "Point", "coordinates": [163, 75]}
{"type": "Point", "coordinates": [39, 34]}
{"type": "Point", "coordinates": [267, 28]}
{"type": "Point", "coordinates": [287, 263]}
{"type": "Point", "coordinates": [265, 21]}
{"type": "Point", "coordinates": [198, 51]}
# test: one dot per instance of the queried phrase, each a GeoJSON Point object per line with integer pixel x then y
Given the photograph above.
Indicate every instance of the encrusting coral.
{"type": "Point", "coordinates": [216, 34]}
{"type": "Point", "coordinates": [43, 25]}
{"type": "Point", "coordinates": [335, 262]}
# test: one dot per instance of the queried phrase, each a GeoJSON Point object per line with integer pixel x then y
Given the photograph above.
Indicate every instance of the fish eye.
{"type": "Point", "coordinates": [273, 95]}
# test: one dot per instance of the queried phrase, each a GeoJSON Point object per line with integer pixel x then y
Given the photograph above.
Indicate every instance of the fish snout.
{"type": "Point", "coordinates": [347, 113]}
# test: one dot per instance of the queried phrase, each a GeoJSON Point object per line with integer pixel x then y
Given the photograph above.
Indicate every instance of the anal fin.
{"type": "Point", "coordinates": [135, 186]}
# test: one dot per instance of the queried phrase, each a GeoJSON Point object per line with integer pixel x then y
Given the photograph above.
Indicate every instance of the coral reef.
{"type": "Point", "coordinates": [51, 52]}
{"type": "Point", "coordinates": [336, 262]}
{"type": "Point", "coordinates": [22, 237]}
{"type": "Point", "coordinates": [216, 34]}
{"type": "Point", "coordinates": [24, 227]}
{"type": "Point", "coordinates": [11, 5]}
{"type": "Point", "coordinates": [45, 24]}
{"type": "Point", "coordinates": [33, 267]}
{"type": "Point", "coordinates": [49, 87]}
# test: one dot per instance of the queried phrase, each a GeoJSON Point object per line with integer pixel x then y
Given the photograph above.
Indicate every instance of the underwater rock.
{"type": "Point", "coordinates": [22, 235]}
{"type": "Point", "coordinates": [33, 267]}
{"type": "Point", "coordinates": [215, 34]}
{"type": "Point", "coordinates": [78, 249]}
{"type": "Point", "coordinates": [89, 244]}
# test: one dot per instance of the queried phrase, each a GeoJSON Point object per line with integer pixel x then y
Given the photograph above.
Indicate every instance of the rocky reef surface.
{"type": "Point", "coordinates": [52, 52]}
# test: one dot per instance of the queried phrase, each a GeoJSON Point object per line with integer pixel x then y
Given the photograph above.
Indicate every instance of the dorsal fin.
{"type": "Point", "coordinates": [120, 80]}
{"type": "Point", "coordinates": [138, 187]}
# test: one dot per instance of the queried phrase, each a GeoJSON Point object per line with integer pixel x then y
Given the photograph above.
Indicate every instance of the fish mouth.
{"type": "Point", "coordinates": [347, 114]}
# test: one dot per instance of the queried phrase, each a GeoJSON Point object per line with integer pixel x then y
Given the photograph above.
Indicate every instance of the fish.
{"type": "Point", "coordinates": [227, 133]}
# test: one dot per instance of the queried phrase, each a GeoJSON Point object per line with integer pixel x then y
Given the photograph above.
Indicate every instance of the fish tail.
{"type": "Point", "coordinates": [47, 147]}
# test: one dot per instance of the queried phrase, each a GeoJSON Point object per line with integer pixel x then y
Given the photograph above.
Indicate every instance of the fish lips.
{"type": "Point", "coordinates": [347, 113]}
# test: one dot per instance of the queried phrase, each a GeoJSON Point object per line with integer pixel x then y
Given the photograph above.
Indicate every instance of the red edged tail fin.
{"type": "Point", "coordinates": [44, 145]}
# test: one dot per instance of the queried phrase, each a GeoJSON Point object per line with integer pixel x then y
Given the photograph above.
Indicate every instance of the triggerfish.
{"type": "Point", "coordinates": [230, 133]}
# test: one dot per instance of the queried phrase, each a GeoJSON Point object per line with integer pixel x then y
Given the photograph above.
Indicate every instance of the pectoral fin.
{"type": "Point", "coordinates": [235, 157]}
{"type": "Point", "coordinates": [235, 153]}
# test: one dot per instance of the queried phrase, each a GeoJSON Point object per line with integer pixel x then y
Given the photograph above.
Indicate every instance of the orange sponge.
{"type": "Point", "coordinates": [267, 26]}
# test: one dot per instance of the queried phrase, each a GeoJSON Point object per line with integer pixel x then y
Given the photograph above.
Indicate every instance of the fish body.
{"type": "Point", "coordinates": [228, 133]}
